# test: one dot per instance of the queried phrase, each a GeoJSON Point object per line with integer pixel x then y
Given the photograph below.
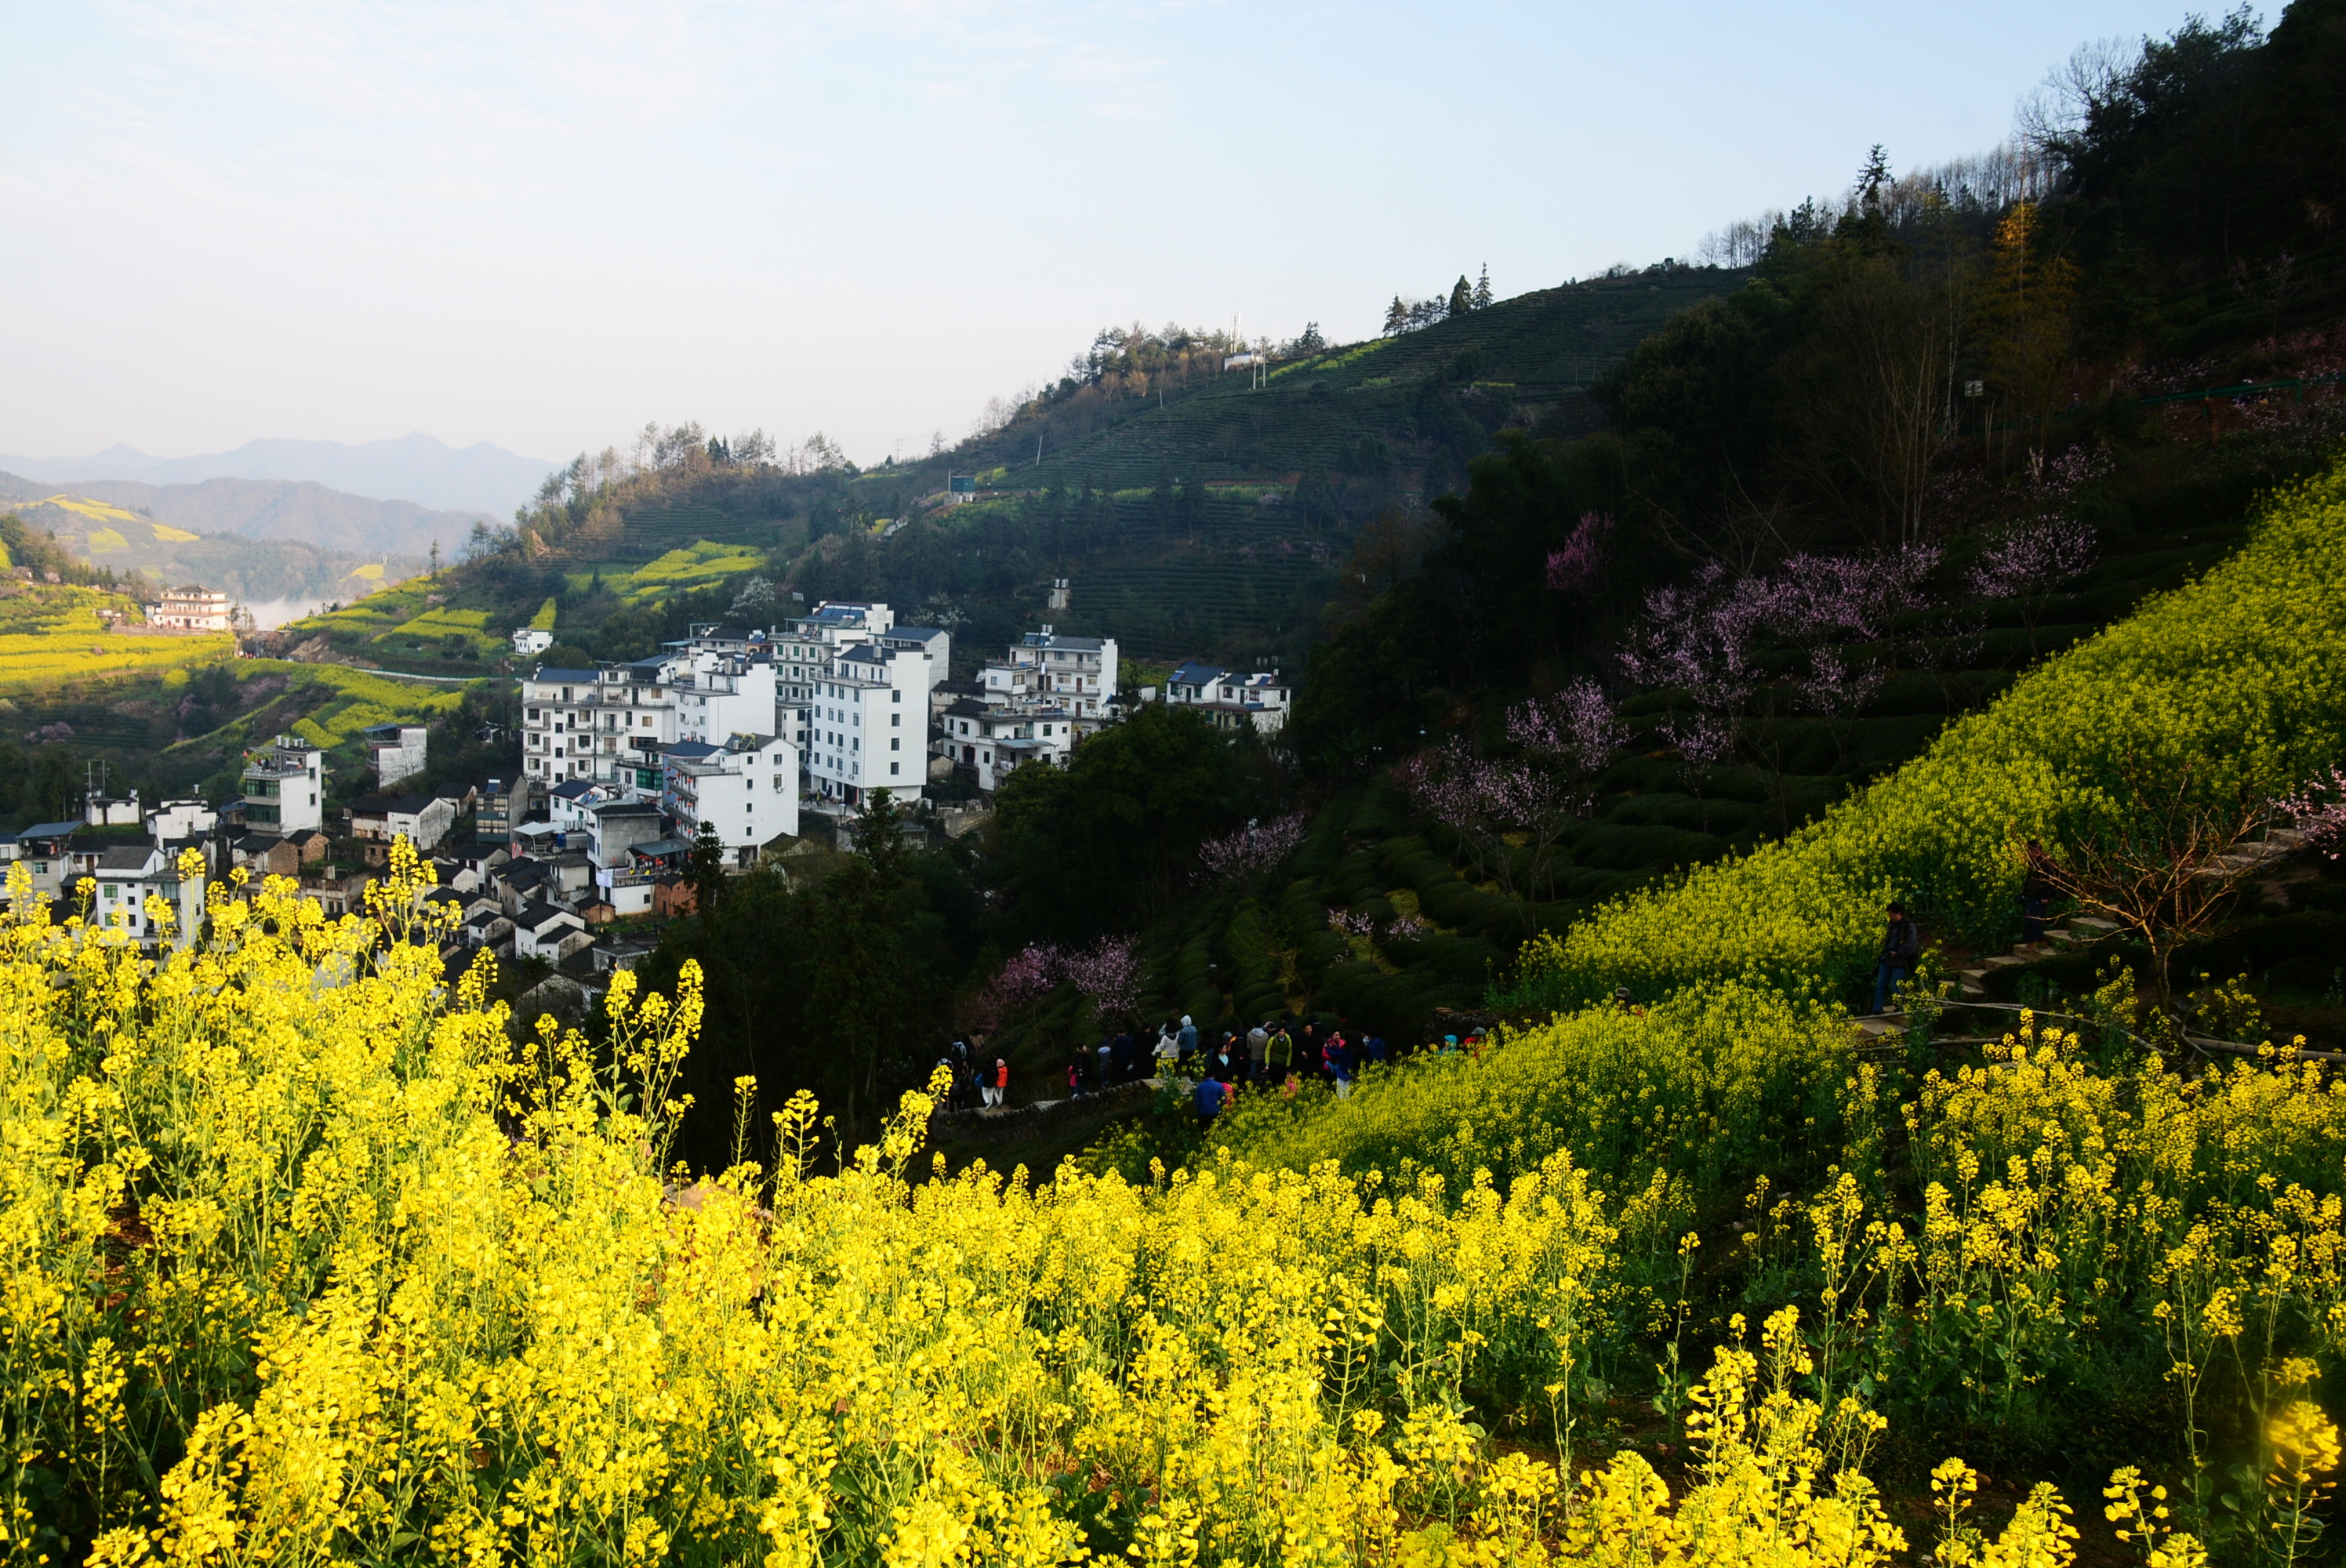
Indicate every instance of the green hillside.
{"type": "Point", "coordinates": [1526, 361]}
{"type": "Point", "coordinates": [1206, 518]}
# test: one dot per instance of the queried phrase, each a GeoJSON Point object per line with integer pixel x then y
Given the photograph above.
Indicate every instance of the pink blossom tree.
{"type": "Point", "coordinates": [1700, 640]}
{"type": "Point", "coordinates": [1108, 973]}
{"type": "Point", "coordinates": [2319, 812]}
{"type": "Point", "coordinates": [1031, 974]}
{"type": "Point", "coordinates": [2030, 560]}
{"type": "Point", "coordinates": [1575, 728]}
{"type": "Point", "coordinates": [1573, 567]}
{"type": "Point", "coordinates": [1445, 782]}
{"type": "Point", "coordinates": [1837, 689]}
{"type": "Point", "coordinates": [1483, 802]}
{"type": "Point", "coordinates": [1255, 847]}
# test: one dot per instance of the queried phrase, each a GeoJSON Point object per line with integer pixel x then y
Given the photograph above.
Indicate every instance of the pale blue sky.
{"type": "Point", "coordinates": [543, 223]}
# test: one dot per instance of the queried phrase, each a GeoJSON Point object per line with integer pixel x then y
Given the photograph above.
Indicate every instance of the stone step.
{"type": "Point", "coordinates": [2093, 924]}
{"type": "Point", "coordinates": [2061, 938]}
{"type": "Point", "coordinates": [1978, 972]}
{"type": "Point", "coordinates": [2004, 961]}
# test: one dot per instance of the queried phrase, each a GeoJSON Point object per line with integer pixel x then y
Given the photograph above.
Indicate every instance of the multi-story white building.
{"type": "Point", "coordinates": [930, 640]}
{"type": "Point", "coordinates": [993, 741]}
{"type": "Point", "coordinates": [283, 787]}
{"type": "Point", "coordinates": [1230, 699]}
{"type": "Point", "coordinates": [747, 789]}
{"type": "Point", "coordinates": [804, 647]}
{"type": "Point", "coordinates": [722, 695]}
{"type": "Point", "coordinates": [190, 608]}
{"type": "Point", "coordinates": [558, 707]}
{"type": "Point", "coordinates": [868, 723]}
{"type": "Point", "coordinates": [531, 641]}
{"type": "Point", "coordinates": [607, 726]}
{"type": "Point", "coordinates": [1044, 669]}
{"type": "Point", "coordinates": [397, 751]}
{"type": "Point", "coordinates": [1034, 704]}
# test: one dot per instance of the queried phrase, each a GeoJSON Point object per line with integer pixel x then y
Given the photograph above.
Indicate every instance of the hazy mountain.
{"type": "Point", "coordinates": [285, 509]}
{"type": "Point", "coordinates": [415, 468]}
{"type": "Point", "coordinates": [289, 573]}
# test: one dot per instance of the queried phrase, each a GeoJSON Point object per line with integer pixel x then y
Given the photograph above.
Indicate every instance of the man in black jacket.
{"type": "Point", "coordinates": [1901, 944]}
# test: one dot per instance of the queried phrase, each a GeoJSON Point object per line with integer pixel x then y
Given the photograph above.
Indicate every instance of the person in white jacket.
{"type": "Point", "coordinates": [1168, 1051]}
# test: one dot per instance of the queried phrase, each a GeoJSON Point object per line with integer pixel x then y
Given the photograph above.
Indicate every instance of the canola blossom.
{"type": "Point", "coordinates": [2237, 672]}
{"type": "Point", "coordinates": [306, 1261]}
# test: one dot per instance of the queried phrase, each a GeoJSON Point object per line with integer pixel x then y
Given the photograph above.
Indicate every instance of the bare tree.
{"type": "Point", "coordinates": [2157, 850]}
{"type": "Point", "coordinates": [2095, 75]}
{"type": "Point", "coordinates": [1875, 388]}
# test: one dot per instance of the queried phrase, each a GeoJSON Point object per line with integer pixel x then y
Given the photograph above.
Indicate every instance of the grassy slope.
{"type": "Point", "coordinates": [1534, 353]}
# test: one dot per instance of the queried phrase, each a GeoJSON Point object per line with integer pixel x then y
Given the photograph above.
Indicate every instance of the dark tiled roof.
{"type": "Point", "coordinates": [536, 916]}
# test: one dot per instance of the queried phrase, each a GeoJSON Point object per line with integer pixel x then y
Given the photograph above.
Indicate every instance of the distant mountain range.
{"type": "Point", "coordinates": [417, 468]}
{"type": "Point", "coordinates": [305, 565]}
{"type": "Point", "coordinates": [263, 509]}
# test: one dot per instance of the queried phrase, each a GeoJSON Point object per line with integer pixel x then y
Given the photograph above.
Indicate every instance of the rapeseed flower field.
{"type": "Point", "coordinates": [305, 1262]}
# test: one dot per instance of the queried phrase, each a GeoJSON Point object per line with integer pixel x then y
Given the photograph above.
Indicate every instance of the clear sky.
{"type": "Point", "coordinates": [542, 223]}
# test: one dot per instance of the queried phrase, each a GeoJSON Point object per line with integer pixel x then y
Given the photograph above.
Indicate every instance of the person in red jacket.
{"type": "Point", "coordinates": [997, 1083]}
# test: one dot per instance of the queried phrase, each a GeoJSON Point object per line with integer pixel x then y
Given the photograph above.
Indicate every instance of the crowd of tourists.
{"type": "Point", "coordinates": [1279, 1053]}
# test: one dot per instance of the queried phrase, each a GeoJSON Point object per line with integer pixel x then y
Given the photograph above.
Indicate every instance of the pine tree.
{"type": "Point", "coordinates": [1483, 288]}
{"type": "Point", "coordinates": [705, 868]}
{"type": "Point", "coordinates": [1396, 317]}
{"type": "Point", "coordinates": [1461, 296]}
{"type": "Point", "coordinates": [1873, 178]}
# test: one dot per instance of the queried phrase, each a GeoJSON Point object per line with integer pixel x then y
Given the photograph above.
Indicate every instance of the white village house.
{"type": "Point", "coordinates": [1039, 700]}
{"type": "Point", "coordinates": [190, 608]}
{"type": "Point", "coordinates": [1229, 698]}
{"type": "Point", "coordinates": [283, 787]}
